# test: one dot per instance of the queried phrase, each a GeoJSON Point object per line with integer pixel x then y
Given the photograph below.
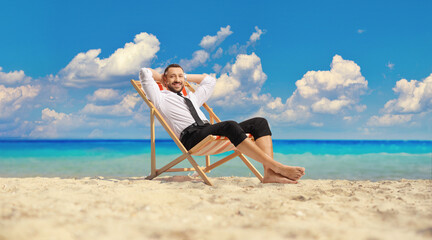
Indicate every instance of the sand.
{"type": "Point", "coordinates": [234, 208]}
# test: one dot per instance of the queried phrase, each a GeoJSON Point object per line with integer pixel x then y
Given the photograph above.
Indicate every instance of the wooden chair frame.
{"type": "Point", "coordinates": [196, 150]}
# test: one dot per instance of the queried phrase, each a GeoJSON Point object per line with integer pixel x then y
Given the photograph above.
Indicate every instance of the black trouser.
{"type": "Point", "coordinates": [235, 132]}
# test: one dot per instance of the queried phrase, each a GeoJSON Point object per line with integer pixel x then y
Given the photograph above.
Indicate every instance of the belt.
{"type": "Point", "coordinates": [186, 130]}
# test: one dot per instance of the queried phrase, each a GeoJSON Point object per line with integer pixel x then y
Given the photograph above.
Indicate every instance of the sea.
{"type": "Point", "coordinates": [372, 160]}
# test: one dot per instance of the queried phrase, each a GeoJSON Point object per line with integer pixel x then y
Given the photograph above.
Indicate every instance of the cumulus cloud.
{"type": "Point", "coordinates": [198, 58]}
{"type": "Point", "coordinates": [211, 42]}
{"type": "Point", "coordinates": [217, 68]}
{"type": "Point", "coordinates": [104, 94]}
{"type": "Point", "coordinates": [317, 124]}
{"type": "Point", "coordinates": [327, 106]}
{"type": "Point", "coordinates": [54, 123]}
{"type": "Point", "coordinates": [242, 49]}
{"type": "Point", "coordinates": [12, 99]}
{"type": "Point", "coordinates": [344, 81]}
{"type": "Point", "coordinates": [208, 43]}
{"type": "Point", "coordinates": [92, 121]}
{"type": "Point", "coordinates": [245, 76]}
{"type": "Point", "coordinates": [415, 98]}
{"type": "Point", "coordinates": [321, 92]}
{"type": "Point", "coordinates": [124, 108]}
{"type": "Point", "coordinates": [256, 35]}
{"type": "Point", "coordinates": [87, 68]}
{"type": "Point", "coordinates": [13, 77]}
{"type": "Point", "coordinates": [387, 120]}
{"type": "Point", "coordinates": [218, 53]}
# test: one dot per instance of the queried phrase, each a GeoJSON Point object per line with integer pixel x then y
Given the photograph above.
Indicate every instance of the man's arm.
{"type": "Point", "coordinates": [195, 78]}
{"type": "Point", "coordinates": [205, 88]}
{"type": "Point", "coordinates": [148, 83]}
{"type": "Point", "coordinates": [156, 76]}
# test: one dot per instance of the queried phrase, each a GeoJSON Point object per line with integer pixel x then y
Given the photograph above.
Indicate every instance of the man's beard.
{"type": "Point", "coordinates": [173, 90]}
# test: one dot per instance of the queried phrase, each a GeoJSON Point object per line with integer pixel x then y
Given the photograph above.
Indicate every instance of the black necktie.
{"type": "Point", "coordinates": [192, 110]}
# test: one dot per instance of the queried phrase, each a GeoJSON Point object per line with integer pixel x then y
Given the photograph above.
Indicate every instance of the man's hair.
{"type": "Point", "coordinates": [174, 65]}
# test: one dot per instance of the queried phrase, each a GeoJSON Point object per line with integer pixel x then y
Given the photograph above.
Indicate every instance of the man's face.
{"type": "Point", "coordinates": [174, 79]}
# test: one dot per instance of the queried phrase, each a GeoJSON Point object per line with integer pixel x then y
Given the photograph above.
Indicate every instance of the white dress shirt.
{"type": "Point", "coordinates": [173, 107]}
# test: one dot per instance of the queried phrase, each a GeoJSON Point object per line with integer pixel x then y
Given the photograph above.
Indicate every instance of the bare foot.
{"type": "Point", "coordinates": [293, 173]}
{"type": "Point", "coordinates": [271, 177]}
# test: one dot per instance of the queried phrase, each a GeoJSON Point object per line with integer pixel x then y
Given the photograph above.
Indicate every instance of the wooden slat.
{"type": "Point", "coordinates": [226, 147]}
{"type": "Point", "coordinates": [172, 164]}
{"type": "Point", "coordinates": [206, 148]}
{"type": "Point", "coordinates": [251, 167]}
{"type": "Point", "coordinates": [183, 169]}
{"type": "Point", "coordinates": [222, 161]}
{"type": "Point", "coordinates": [153, 143]}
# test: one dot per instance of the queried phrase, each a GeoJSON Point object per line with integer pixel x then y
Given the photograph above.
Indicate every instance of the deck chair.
{"type": "Point", "coordinates": [211, 145]}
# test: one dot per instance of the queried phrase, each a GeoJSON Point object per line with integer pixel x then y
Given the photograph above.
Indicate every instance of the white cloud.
{"type": "Point", "coordinates": [96, 133]}
{"type": "Point", "coordinates": [256, 35]}
{"type": "Point", "coordinates": [327, 106]}
{"type": "Point", "coordinates": [87, 68]}
{"type": "Point", "coordinates": [12, 78]}
{"type": "Point", "coordinates": [92, 121]}
{"type": "Point", "coordinates": [211, 42]}
{"type": "Point", "coordinates": [242, 49]}
{"type": "Point", "coordinates": [317, 124]}
{"type": "Point", "coordinates": [217, 68]}
{"type": "Point", "coordinates": [225, 85]}
{"type": "Point", "coordinates": [389, 120]}
{"type": "Point", "coordinates": [104, 94]}
{"type": "Point", "coordinates": [360, 31]}
{"type": "Point", "coordinates": [276, 104]}
{"type": "Point", "coordinates": [124, 108]}
{"type": "Point", "coordinates": [218, 53]}
{"type": "Point", "coordinates": [245, 75]}
{"type": "Point", "coordinates": [287, 114]}
{"type": "Point", "coordinates": [390, 65]}
{"type": "Point", "coordinates": [12, 99]}
{"type": "Point", "coordinates": [321, 92]}
{"type": "Point", "coordinates": [343, 80]}
{"type": "Point", "coordinates": [51, 115]}
{"type": "Point", "coordinates": [198, 58]}
{"type": "Point", "coordinates": [415, 99]}
{"type": "Point", "coordinates": [54, 124]}
{"type": "Point", "coordinates": [361, 108]}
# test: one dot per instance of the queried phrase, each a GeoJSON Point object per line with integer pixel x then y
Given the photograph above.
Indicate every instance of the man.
{"type": "Point", "coordinates": [191, 125]}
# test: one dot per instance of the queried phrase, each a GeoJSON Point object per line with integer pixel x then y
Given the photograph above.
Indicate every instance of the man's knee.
{"type": "Point", "coordinates": [234, 132]}
{"type": "Point", "coordinates": [232, 126]}
{"type": "Point", "coordinates": [261, 122]}
{"type": "Point", "coordinates": [261, 128]}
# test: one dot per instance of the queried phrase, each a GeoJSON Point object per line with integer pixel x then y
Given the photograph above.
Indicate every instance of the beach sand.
{"type": "Point", "coordinates": [234, 208]}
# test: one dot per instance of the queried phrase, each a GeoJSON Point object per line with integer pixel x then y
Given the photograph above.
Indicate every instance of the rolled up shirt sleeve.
{"type": "Point", "coordinates": [150, 87]}
{"type": "Point", "coordinates": [205, 89]}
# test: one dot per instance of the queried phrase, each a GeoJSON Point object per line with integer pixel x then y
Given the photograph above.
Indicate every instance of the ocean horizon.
{"type": "Point", "coordinates": [122, 158]}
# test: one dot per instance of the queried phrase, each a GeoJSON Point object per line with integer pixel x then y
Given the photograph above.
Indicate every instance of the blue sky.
{"type": "Point", "coordinates": [315, 69]}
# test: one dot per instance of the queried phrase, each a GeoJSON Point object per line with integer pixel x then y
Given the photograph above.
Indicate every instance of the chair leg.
{"type": "Point", "coordinates": [168, 166]}
{"type": "Point", "coordinates": [251, 167]}
{"type": "Point", "coordinates": [222, 161]}
{"type": "Point", "coordinates": [199, 170]}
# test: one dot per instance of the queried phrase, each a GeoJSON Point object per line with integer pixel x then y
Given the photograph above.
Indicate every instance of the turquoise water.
{"type": "Point", "coordinates": [323, 159]}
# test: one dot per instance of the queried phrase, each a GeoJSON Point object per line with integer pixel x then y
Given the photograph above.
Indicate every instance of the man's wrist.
{"type": "Point", "coordinates": [146, 74]}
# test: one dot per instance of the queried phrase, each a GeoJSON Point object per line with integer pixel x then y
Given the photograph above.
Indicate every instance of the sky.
{"type": "Point", "coordinates": [314, 69]}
